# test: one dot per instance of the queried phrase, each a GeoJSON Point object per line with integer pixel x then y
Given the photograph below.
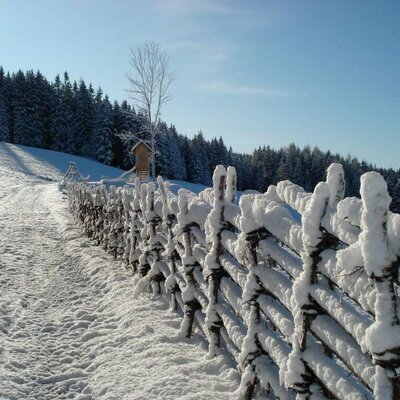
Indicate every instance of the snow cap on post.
{"type": "Point", "coordinates": [112, 194]}
{"type": "Point", "coordinates": [312, 236]}
{"type": "Point", "coordinates": [313, 215]}
{"type": "Point", "coordinates": [246, 220]}
{"type": "Point", "coordinates": [231, 183]}
{"type": "Point", "coordinates": [143, 197]}
{"type": "Point", "coordinates": [183, 207]}
{"type": "Point", "coordinates": [383, 336]}
{"type": "Point", "coordinates": [150, 214]}
{"type": "Point", "coordinates": [214, 218]}
{"type": "Point", "coordinates": [166, 209]}
{"type": "Point", "coordinates": [336, 182]}
{"type": "Point", "coordinates": [219, 172]}
{"type": "Point", "coordinates": [126, 198]}
{"type": "Point", "coordinates": [136, 196]}
{"type": "Point", "coordinates": [373, 238]}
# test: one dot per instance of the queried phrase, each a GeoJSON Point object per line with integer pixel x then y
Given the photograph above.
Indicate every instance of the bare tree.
{"type": "Point", "coordinates": [149, 82]}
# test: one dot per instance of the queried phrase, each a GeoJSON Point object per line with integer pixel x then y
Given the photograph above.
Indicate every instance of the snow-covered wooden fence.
{"type": "Point", "coordinates": [300, 288]}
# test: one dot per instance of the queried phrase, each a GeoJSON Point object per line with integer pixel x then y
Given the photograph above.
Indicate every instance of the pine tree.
{"type": "Point", "coordinates": [212, 152]}
{"type": "Point", "coordinates": [44, 97]}
{"type": "Point", "coordinates": [125, 119]}
{"type": "Point", "coordinates": [169, 160]}
{"type": "Point", "coordinates": [21, 118]}
{"type": "Point", "coordinates": [269, 168]}
{"type": "Point", "coordinates": [2, 78]}
{"type": "Point", "coordinates": [256, 168]}
{"type": "Point", "coordinates": [61, 127]}
{"type": "Point", "coordinates": [176, 157]}
{"type": "Point", "coordinates": [85, 114]}
{"type": "Point", "coordinates": [103, 132]}
{"type": "Point", "coordinates": [4, 128]}
{"type": "Point", "coordinates": [185, 150]}
{"type": "Point", "coordinates": [395, 205]}
{"type": "Point", "coordinates": [35, 129]}
{"type": "Point", "coordinates": [68, 104]}
{"type": "Point", "coordinates": [198, 171]}
{"type": "Point", "coordinates": [118, 147]}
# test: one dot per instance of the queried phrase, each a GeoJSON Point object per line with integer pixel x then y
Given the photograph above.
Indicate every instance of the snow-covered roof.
{"type": "Point", "coordinates": [138, 143]}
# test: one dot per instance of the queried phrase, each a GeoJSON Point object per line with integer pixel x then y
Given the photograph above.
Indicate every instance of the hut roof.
{"type": "Point", "coordinates": [138, 144]}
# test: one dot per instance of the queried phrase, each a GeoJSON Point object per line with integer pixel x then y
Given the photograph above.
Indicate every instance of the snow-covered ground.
{"type": "Point", "coordinates": [69, 325]}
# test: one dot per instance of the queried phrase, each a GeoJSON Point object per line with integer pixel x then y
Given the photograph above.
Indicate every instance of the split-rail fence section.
{"type": "Point", "coordinates": [299, 288]}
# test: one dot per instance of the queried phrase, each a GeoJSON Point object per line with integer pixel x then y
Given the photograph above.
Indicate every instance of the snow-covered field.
{"type": "Point", "coordinates": [69, 325]}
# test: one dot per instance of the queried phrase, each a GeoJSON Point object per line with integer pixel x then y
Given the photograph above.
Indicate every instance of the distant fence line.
{"type": "Point", "coordinates": [300, 288]}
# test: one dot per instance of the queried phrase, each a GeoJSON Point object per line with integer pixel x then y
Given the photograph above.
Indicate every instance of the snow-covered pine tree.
{"type": "Point", "coordinates": [85, 114]}
{"type": "Point", "coordinates": [213, 154]}
{"type": "Point", "coordinates": [103, 133]}
{"type": "Point", "coordinates": [68, 98]}
{"type": "Point", "coordinates": [35, 120]}
{"type": "Point", "coordinates": [44, 95]}
{"type": "Point", "coordinates": [60, 128]}
{"type": "Point", "coordinates": [198, 161]}
{"type": "Point", "coordinates": [217, 154]}
{"type": "Point", "coordinates": [27, 127]}
{"type": "Point", "coordinates": [19, 108]}
{"type": "Point", "coordinates": [257, 166]}
{"type": "Point", "coordinates": [169, 160]}
{"type": "Point", "coordinates": [6, 88]}
{"type": "Point", "coordinates": [395, 205]}
{"type": "Point", "coordinates": [2, 78]}
{"type": "Point", "coordinates": [185, 150]}
{"type": "Point", "coordinates": [4, 127]}
{"type": "Point", "coordinates": [176, 158]}
{"type": "Point", "coordinates": [125, 119]}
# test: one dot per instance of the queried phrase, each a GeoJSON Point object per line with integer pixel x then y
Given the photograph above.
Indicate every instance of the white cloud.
{"type": "Point", "coordinates": [244, 90]}
{"type": "Point", "coordinates": [212, 52]}
{"type": "Point", "coordinates": [246, 15]}
{"type": "Point", "coordinates": [196, 6]}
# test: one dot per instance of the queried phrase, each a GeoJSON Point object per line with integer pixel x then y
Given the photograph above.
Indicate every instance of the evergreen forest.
{"type": "Point", "coordinates": [73, 117]}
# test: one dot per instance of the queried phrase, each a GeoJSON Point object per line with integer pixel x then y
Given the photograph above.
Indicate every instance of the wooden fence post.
{"type": "Point", "coordinates": [188, 263]}
{"type": "Point", "coordinates": [213, 271]}
{"type": "Point", "coordinates": [382, 267]}
{"type": "Point", "coordinates": [170, 252]}
{"type": "Point", "coordinates": [136, 226]}
{"type": "Point", "coordinates": [155, 246]}
{"type": "Point", "coordinates": [109, 216]}
{"type": "Point", "coordinates": [119, 225]}
{"type": "Point", "coordinates": [305, 309]}
{"type": "Point", "coordinates": [144, 262]}
{"type": "Point", "coordinates": [251, 348]}
{"type": "Point", "coordinates": [150, 261]}
{"type": "Point", "coordinates": [126, 201]}
{"type": "Point", "coordinates": [248, 241]}
{"type": "Point", "coordinates": [99, 204]}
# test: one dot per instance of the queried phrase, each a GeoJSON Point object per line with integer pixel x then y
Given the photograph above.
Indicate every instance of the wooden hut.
{"type": "Point", "coordinates": [141, 151]}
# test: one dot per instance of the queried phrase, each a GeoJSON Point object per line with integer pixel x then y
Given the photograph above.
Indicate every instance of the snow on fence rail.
{"type": "Point", "coordinates": [306, 308]}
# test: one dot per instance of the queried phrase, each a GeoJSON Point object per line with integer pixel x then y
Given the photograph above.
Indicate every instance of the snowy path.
{"type": "Point", "coordinates": [69, 326]}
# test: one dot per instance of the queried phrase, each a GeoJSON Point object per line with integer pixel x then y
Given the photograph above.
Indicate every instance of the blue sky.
{"type": "Point", "coordinates": [323, 73]}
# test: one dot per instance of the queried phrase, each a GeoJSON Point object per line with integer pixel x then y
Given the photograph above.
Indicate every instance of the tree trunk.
{"type": "Point", "coordinates": [153, 155]}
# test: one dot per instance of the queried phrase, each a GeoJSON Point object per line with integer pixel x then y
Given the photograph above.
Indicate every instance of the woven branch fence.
{"type": "Point", "coordinates": [300, 288]}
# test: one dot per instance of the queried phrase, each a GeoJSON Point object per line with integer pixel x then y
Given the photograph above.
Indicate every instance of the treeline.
{"type": "Point", "coordinates": [74, 118]}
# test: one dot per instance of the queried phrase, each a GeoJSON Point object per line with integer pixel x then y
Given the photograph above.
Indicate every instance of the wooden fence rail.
{"type": "Point", "coordinates": [300, 288]}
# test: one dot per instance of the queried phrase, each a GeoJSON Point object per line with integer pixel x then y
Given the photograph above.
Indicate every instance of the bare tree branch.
{"type": "Point", "coordinates": [149, 81]}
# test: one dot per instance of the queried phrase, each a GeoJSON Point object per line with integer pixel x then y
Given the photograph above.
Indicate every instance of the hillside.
{"type": "Point", "coordinates": [48, 164]}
